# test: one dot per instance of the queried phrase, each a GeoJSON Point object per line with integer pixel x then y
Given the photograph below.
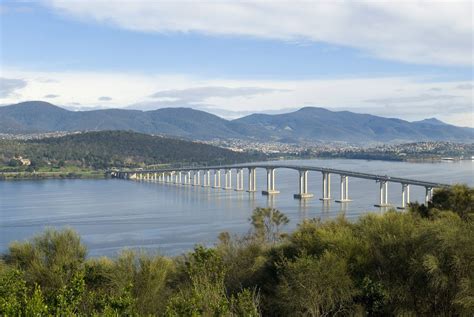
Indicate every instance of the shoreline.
{"type": "Point", "coordinates": [18, 176]}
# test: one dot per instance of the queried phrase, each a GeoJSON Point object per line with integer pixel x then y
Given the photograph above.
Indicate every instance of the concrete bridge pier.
{"type": "Point", "coordinates": [383, 202]}
{"type": "Point", "coordinates": [228, 179]}
{"type": "Point", "coordinates": [252, 180]}
{"type": "Point", "coordinates": [198, 178]}
{"type": "Point", "coordinates": [405, 196]}
{"type": "Point", "coordinates": [303, 186]}
{"type": "Point", "coordinates": [206, 182]}
{"type": "Point", "coordinates": [344, 190]}
{"type": "Point", "coordinates": [428, 194]}
{"type": "Point", "coordinates": [217, 178]}
{"type": "Point", "coordinates": [326, 186]}
{"type": "Point", "coordinates": [270, 183]}
{"type": "Point", "coordinates": [240, 180]}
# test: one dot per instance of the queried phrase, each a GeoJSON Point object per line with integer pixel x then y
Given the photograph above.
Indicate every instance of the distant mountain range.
{"type": "Point", "coordinates": [308, 124]}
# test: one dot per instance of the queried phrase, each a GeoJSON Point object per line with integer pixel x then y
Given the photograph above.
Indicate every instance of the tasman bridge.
{"type": "Point", "coordinates": [201, 176]}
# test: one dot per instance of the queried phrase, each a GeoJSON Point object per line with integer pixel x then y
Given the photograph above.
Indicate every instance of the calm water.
{"type": "Point", "coordinates": [115, 214]}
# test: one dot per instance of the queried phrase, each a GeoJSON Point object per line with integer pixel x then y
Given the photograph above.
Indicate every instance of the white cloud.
{"type": "Point", "coordinates": [466, 86]}
{"type": "Point", "coordinates": [9, 86]}
{"type": "Point", "coordinates": [197, 95]}
{"type": "Point", "coordinates": [51, 96]}
{"type": "Point", "coordinates": [401, 97]}
{"type": "Point", "coordinates": [411, 99]}
{"type": "Point", "coordinates": [424, 32]}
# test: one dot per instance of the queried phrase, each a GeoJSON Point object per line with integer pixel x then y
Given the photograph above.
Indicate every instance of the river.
{"type": "Point", "coordinates": [114, 214]}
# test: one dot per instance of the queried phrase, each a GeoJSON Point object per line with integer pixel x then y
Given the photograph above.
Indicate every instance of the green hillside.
{"type": "Point", "coordinates": [106, 149]}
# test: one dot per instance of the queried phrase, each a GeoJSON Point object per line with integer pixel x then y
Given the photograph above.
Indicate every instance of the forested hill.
{"type": "Point", "coordinates": [107, 149]}
{"type": "Point", "coordinates": [308, 124]}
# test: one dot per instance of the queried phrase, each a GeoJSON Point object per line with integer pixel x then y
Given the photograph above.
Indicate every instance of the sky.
{"type": "Point", "coordinates": [405, 59]}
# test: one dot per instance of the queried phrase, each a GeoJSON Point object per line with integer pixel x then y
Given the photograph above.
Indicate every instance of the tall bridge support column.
{"type": "Point", "coordinates": [344, 190]}
{"type": "Point", "coordinates": [206, 182]}
{"type": "Point", "coordinates": [217, 178]}
{"type": "Point", "coordinates": [428, 194]}
{"type": "Point", "coordinates": [198, 178]}
{"type": "Point", "coordinates": [180, 178]}
{"type": "Point", "coordinates": [239, 179]}
{"type": "Point", "coordinates": [252, 180]}
{"type": "Point", "coordinates": [405, 196]}
{"type": "Point", "coordinates": [326, 186]}
{"type": "Point", "coordinates": [303, 186]}
{"type": "Point", "coordinates": [270, 183]}
{"type": "Point", "coordinates": [383, 194]}
{"type": "Point", "coordinates": [228, 179]}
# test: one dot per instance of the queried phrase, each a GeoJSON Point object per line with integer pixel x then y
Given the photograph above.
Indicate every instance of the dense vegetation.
{"type": "Point", "coordinates": [100, 150]}
{"type": "Point", "coordinates": [415, 263]}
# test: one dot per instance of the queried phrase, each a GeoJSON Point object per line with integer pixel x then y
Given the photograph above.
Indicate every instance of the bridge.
{"type": "Point", "coordinates": [201, 176]}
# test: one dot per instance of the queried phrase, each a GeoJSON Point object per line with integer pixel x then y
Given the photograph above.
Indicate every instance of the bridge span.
{"type": "Point", "coordinates": [201, 176]}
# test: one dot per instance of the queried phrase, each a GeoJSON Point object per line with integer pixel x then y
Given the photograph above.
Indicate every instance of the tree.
{"type": "Point", "coordinates": [205, 295]}
{"type": "Point", "coordinates": [313, 286]}
{"type": "Point", "coordinates": [51, 259]}
{"type": "Point", "coordinates": [267, 222]}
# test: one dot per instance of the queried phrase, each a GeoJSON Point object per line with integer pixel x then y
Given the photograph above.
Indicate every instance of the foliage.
{"type": "Point", "coordinates": [205, 293]}
{"type": "Point", "coordinates": [412, 263]}
{"type": "Point", "coordinates": [458, 199]}
{"type": "Point", "coordinates": [266, 223]}
{"type": "Point", "coordinates": [316, 286]}
{"type": "Point", "coordinates": [106, 149]}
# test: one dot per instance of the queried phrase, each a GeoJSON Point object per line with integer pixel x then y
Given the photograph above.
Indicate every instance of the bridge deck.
{"type": "Point", "coordinates": [301, 167]}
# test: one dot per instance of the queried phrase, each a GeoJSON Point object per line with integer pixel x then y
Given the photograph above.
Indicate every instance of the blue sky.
{"type": "Point", "coordinates": [407, 62]}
